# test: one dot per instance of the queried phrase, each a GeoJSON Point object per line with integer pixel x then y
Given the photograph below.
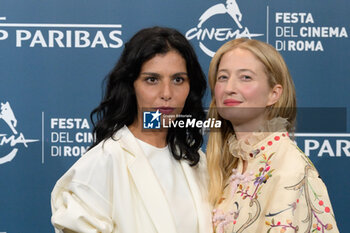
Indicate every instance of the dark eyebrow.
{"type": "Point", "coordinates": [180, 73]}
{"type": "Point", "coordinates": [157, 75]}
{"type": "Point", "coordinates": [150, 74]}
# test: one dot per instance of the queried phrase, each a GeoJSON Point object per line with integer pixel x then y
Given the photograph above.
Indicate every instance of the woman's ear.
{"type": "Point", "coordinates": [275, 94]}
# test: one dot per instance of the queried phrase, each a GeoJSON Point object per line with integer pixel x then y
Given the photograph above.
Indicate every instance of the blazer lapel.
{"type": "Point", "coordinates": [148, 186]}
{"type": "Point", "coordinates": [197, 181]}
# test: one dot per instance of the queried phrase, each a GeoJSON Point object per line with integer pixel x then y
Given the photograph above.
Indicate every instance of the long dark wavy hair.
{"type": "Point", "coordinates": [119, 107]}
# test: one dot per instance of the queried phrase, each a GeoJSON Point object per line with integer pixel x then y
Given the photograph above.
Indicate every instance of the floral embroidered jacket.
{"type": "Point", "coordinates": [281, 190]}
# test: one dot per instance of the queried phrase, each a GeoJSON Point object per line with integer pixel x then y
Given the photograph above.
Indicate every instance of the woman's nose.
{"type": "Point", "coordinates": [231, 86]}
{"type": "Point", "coordinates": [166, 92]}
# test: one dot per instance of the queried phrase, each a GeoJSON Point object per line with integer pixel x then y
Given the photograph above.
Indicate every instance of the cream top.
{"type": "Point", "coordinates": [171, 177]}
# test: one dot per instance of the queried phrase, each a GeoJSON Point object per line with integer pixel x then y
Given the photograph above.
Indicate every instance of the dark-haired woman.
{"type": "Point", "coordinates": [134, 179]}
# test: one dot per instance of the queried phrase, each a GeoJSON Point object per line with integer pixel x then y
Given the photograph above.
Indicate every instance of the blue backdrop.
{"type": "Point", "coordinates": [54, 55]}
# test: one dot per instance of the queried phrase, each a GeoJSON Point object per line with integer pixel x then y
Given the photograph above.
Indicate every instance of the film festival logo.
{"type": "Point", "coordinates": [220, 34]}
{"type": "Point", "coordinates": [7, 115]}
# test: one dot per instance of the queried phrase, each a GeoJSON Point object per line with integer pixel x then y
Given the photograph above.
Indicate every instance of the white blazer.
{"type": "Point", "coordinates": [112, 188]}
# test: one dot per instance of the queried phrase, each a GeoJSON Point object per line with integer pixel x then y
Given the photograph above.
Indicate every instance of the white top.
{"type": "Point", "coordinates": [174, 184]}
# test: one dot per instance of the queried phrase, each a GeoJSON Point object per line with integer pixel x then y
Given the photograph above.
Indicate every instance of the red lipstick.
{"type": "Point", "coordinates": [231, 102]}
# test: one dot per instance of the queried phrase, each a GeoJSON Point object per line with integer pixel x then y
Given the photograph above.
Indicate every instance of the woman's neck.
{"type": "Point", "coordinates": [244, 130]}
{"type": "Point", "coordinates": [154, 137]}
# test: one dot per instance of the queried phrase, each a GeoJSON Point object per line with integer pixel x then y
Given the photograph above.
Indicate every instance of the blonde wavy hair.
{"type": "Point", "coordinates": [220, 161]}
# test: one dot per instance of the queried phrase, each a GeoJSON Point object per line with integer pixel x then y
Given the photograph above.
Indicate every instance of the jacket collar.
{"type": "Point", "coordinates": [147, 184]}
{"type": "Point", "coordinates": [197, 180]}
{"type": "Point", "coordinates": [152, 193]}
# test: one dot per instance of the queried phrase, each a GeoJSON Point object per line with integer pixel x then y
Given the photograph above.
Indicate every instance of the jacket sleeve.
{"type": "Point", "coordinates": [320, 207]}
{"type": "Point", "coordinates": [79, 200]}
{"type": "Point", "coordinates": [302, 203]}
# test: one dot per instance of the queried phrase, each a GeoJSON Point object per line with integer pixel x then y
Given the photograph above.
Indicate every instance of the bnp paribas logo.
{"type": "Point", "coordinates": [12, 141]}
{"type": "Point", "coordinates": [203, 34]}
{"type": "Point", "coordinates": [58, 35]}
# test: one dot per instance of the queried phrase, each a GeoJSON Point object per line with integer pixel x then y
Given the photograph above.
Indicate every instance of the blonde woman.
{"type": "Point", "coordinates": [260, 181]}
